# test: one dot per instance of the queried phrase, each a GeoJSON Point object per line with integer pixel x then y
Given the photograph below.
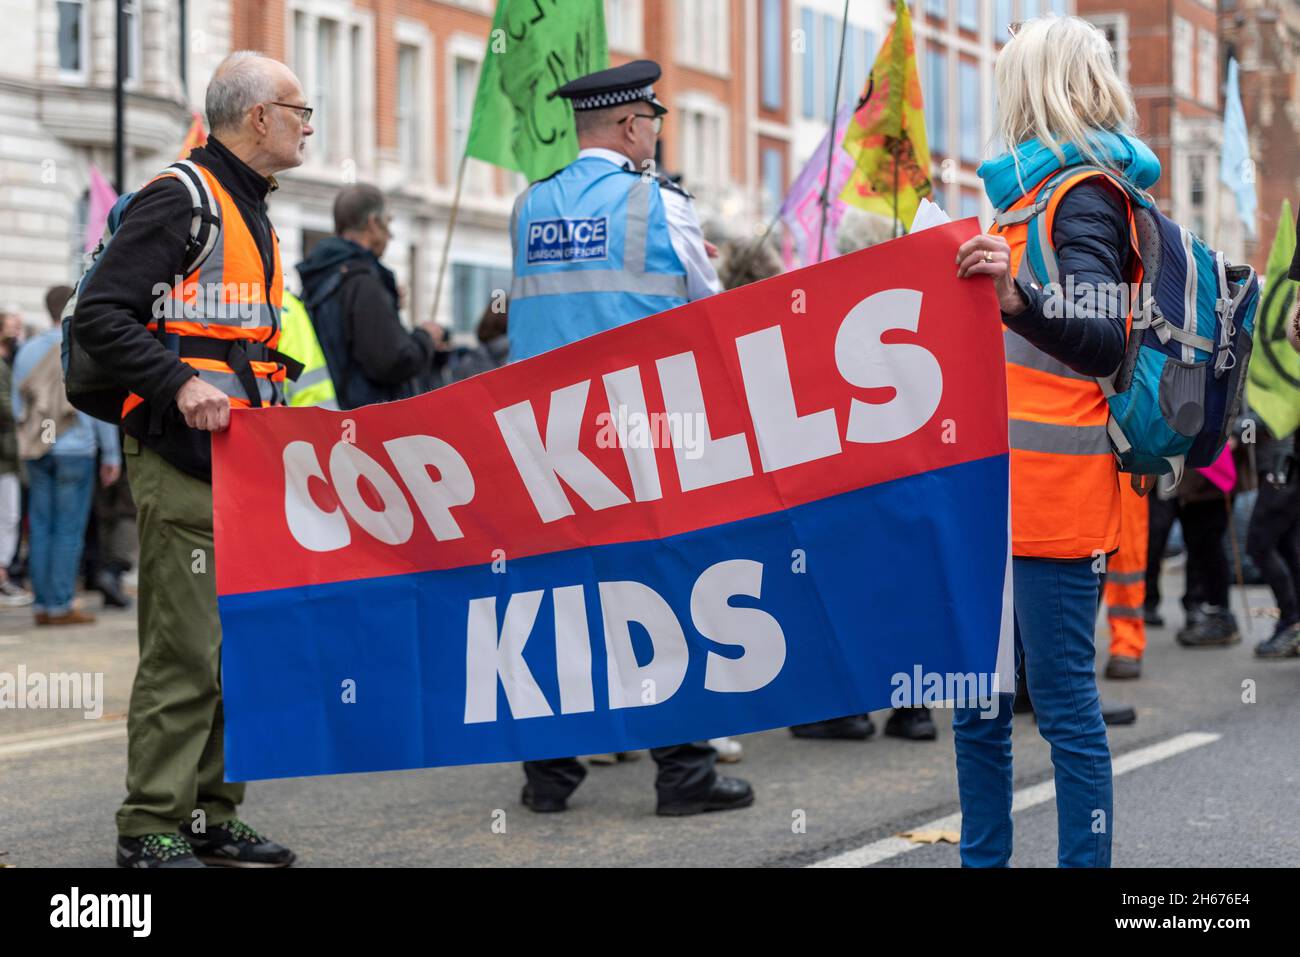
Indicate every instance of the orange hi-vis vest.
{"type": "Point", "coordinates": [221, 319]}
{"type": "Point", "coordinates": [1064, 477]}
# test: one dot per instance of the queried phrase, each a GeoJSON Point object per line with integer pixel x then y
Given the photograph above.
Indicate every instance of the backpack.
{"type": "Point", "coordinates": [1176, 394]}
{"type": "Point", "coordinates": [90, 387]}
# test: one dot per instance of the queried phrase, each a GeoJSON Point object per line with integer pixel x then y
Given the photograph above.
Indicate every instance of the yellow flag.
{"type": "Point", "coordinates": [886, 137]}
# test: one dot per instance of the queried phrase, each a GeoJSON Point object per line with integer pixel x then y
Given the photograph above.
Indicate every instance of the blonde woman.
{"type": "Point", "coordinates": [1061, 105]}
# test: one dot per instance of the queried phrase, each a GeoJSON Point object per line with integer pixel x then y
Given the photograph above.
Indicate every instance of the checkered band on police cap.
{"type": "Point", "coordinates": [600, 100]}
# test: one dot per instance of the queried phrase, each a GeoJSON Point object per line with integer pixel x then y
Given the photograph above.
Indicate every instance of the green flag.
{"type": "Point", "coordinates": [1273, 383]}
{"type": "Point", "coordinates": [535, 47]}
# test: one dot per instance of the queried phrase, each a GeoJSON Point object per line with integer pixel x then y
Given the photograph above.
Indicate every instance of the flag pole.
{"type": "Point", "coordinates": [446, 242]}
{"type": "Point", "coordinates": [830, 141]}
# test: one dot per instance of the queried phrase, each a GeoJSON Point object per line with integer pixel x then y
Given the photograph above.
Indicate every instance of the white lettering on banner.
{"type": "Point", "coordinates": [785, 437]}
{"type": "Point", "coordinates": [487, 657]}
{"type": "Point", "coordinates": [492, 657]}
{"type": "Point", "coordinates": [318, 530]}
{"type": "Point", "coordinates": [718, 460]}
{"type": "Point", "coordinates": [753, 629]}
{"type": "Point", "coordinates": [541, 464]}
{"type": "Point", "coordinates": [911, 370]}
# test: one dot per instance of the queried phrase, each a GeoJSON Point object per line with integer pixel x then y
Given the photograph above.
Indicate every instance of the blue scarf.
{"type": "Point", "coordinates": [1126, 154]}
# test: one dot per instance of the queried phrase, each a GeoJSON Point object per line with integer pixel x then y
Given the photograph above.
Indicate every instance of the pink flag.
{"type": "Point", "coordinates": [1222, 472]}
{"type": "Point", "coordinates": [102, 198]}
{"type": "Point", "coordinates": [801, 211]}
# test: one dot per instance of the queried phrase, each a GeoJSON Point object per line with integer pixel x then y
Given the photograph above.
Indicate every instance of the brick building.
{"type": "Point", "coordinates": [1170, 55]}
{"type": "Point", "coordinates": [1264, 37]}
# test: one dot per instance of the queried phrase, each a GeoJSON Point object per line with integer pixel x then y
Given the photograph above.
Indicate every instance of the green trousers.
{"type": "Point", "coordinates": [175, 758]}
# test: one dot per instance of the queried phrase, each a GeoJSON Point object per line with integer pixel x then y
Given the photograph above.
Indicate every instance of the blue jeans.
{"type": "Point", "coordinates": [1056, 615]}
{"type": "Point", "coordinates": [62, 487]}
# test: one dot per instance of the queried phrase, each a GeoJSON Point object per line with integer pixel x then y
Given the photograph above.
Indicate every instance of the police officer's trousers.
{"type": "Point", "coordinates": [685, 773]}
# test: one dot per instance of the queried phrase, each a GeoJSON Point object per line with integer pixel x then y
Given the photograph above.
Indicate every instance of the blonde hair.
{"type": "Point", "coordinates": [1055, 80]}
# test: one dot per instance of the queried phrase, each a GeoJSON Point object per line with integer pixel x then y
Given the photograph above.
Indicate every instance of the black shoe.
{"type": "Point", "coordinates": [913, 724]}
{"type": "Point", "coordinates": [235, 844]}
{"type": "Point", "coordinates": [1285, 643]}
{"type": "Point", "coordinates": [855, 727]}
{"type": "Point", "coordinates": [727, 794]}
{"type": "Point", "coordinates": [1123, 667]}
{"type": "Point", "coordinates": [1217, 627]}
{"type": "Point", "coordinates": [155, 850]}
{"type": "Point", "coordinates": [110, 586]}
{"type": "Point", "coordinates": [543, 804]}
{"type": "Point", "coordinates": [1117, 714]}
{"type": "Point", "coordinates": [1152, 617]}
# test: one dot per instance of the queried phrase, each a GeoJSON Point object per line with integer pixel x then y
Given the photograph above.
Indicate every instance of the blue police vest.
{"type": "Point", "coordinates": [591, 252]}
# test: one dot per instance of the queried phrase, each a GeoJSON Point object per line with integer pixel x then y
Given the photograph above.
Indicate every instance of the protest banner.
{"type": "Point", "coordinates": [764, 508]}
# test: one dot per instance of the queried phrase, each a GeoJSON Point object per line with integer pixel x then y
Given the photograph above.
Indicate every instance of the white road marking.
{"type": "Point", "coordinates": [888, 847]}
{"type": "Point", "coordinates": [16, 744]}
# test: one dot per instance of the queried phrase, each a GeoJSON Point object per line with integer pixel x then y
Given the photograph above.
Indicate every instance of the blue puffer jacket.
{"type": "Point", "coordinates": [1090, 235]}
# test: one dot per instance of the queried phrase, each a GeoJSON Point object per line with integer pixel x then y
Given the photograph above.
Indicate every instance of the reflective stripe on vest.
{"type": "Point", "coordinates": [1064, 483]}
{"type": "Point", "coordinates": [314, 386]}
{"type": "Point", "coordinates": [226, 299]}
{"type": "Point", "coordinates": [588, 289]}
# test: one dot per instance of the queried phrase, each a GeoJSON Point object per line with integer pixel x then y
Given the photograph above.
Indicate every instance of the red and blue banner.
{"type": "Point", "coordinates": [756, 510]}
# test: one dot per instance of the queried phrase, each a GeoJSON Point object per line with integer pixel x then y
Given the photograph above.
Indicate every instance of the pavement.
{"type": "Point", "coordinates": [1209, 776]}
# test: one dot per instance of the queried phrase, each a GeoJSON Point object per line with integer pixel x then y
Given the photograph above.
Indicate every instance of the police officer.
{"type": "Point", "coordinates": [604, 242]}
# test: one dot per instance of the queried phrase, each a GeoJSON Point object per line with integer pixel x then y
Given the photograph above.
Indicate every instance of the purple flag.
{"type": "Point", "coordinates": [801, 211]}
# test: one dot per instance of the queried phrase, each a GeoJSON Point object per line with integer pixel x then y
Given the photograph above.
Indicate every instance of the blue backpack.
{"type": "Point", "coordinates": [89, 386]}
{"type": "Point", "coordinates": [1175, 397]}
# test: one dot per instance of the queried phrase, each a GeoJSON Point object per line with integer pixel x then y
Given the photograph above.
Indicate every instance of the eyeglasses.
{"type": "Point", "coordinates": [658, 120]}
{"type": "Point", "coordinates": [304, 111]}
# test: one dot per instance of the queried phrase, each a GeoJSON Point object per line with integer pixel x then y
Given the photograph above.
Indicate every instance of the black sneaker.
{"type": "Point", "coordinates": [1285, 643]}
{"type": "Point", "coordinates": [155, 850]}
{"type": "Point", "coordinates": [912, 724]}
{"type": "Point", "coordinates": [726, 794]}
{"type": "Point", "coordinates": [855, 727]}
{"type": "Point", "coordinates": [235, 844]}
{"type": "Point", "coordinates": [1218, 627]}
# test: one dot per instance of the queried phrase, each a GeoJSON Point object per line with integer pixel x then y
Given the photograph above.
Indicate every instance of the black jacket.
{"type": "Point", "coordinates": [371, 356]}
{"type": "Point", "coordinates": [1091, 238]}
{"type": "Point", "coordinates": [147, 250]}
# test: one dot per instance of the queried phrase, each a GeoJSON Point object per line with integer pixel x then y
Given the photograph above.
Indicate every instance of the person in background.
{"type": "Point", "coordinates": [315, 387]}
{"type": "Point", "coordinates": [11, 596]}
{"type": "Point", "coordinates": [58, 446]}
{"type": "Point", "coordinates": [493, 347]}
{"type": "Point", "coordinates": [1203, 514]}
{"type": "Point", "coordinates": [1061, 104]}
{"type": "Point", "coordinates": [353, 302]}
{"type": "Point", "coordinates": [567, 287]}
{"type": "Point", "coordinates": [1126, 574]}
{"type": "Point", "coordinates": [1273, 539]}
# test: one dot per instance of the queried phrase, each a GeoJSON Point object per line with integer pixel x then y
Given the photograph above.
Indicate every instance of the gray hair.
{"type": "Point", "coordinates": [238, 84]}
{"type": "Point", "coordinates": [354, 205]}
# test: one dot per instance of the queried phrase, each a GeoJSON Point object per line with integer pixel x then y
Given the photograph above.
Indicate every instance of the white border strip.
{"type": "Point", "coordinates": [888, 847]}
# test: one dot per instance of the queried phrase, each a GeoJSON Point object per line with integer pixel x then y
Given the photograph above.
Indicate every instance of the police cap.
{"type": "Point", "coordinates": [629, 83]}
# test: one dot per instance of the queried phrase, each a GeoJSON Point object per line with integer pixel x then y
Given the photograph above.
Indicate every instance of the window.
{"type": "Point", "coordinates": [132, 9]}
{"type": "Point", "coordinates": [472, 289]}
{"type": "Point", "coordinates": [623, 24]}
{"type": "Point", "coordinates": [1029, 9]}
{"type": "Point", "coordinates": [773, 179]}
{"type": "Point", "coordinates": [968, 15]}
{"type": "Point", "coordinates": [1183, 32]}
{"type": "Point", "coordinates": [936, 8]}
{"type": "Point", "coordinates": [1058, 7]}
{"type": "Point", "coordinates": [1004, 14]}
{"type": "Point", "coordinates": [408, 121]}
{"type": "Point", "coordinates": [1207, 62]}
{"type": "Point", "coordinates": [323, 93]}
{"type": "Point", "coordinates": [970, 204]}
{"type": "Point", "coordinates": [72, 38]}
{"type": "Point", "coordinates": [1115, 26]}
{"type": "Point", "coordinates": [936, 99]}
{"type": "Point", "coordinates": [773, 51]}
{"type": "Point", "coordinates": [704, 148]}
{"type": "Point", "coordinates": [703, 31]}
{"type": "Point", "coordinates": [831, 58]}
{"type": "Point", "coordinates": [478, 175]}
{"type": "Point", "coordinates": [806, 23]}
{"type": "Point", "coordinates": [969, 80]}
{"type": "Point", "coordinates": [869, 52]}
{"type": "Point", "coordinates": [1196, 192]}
